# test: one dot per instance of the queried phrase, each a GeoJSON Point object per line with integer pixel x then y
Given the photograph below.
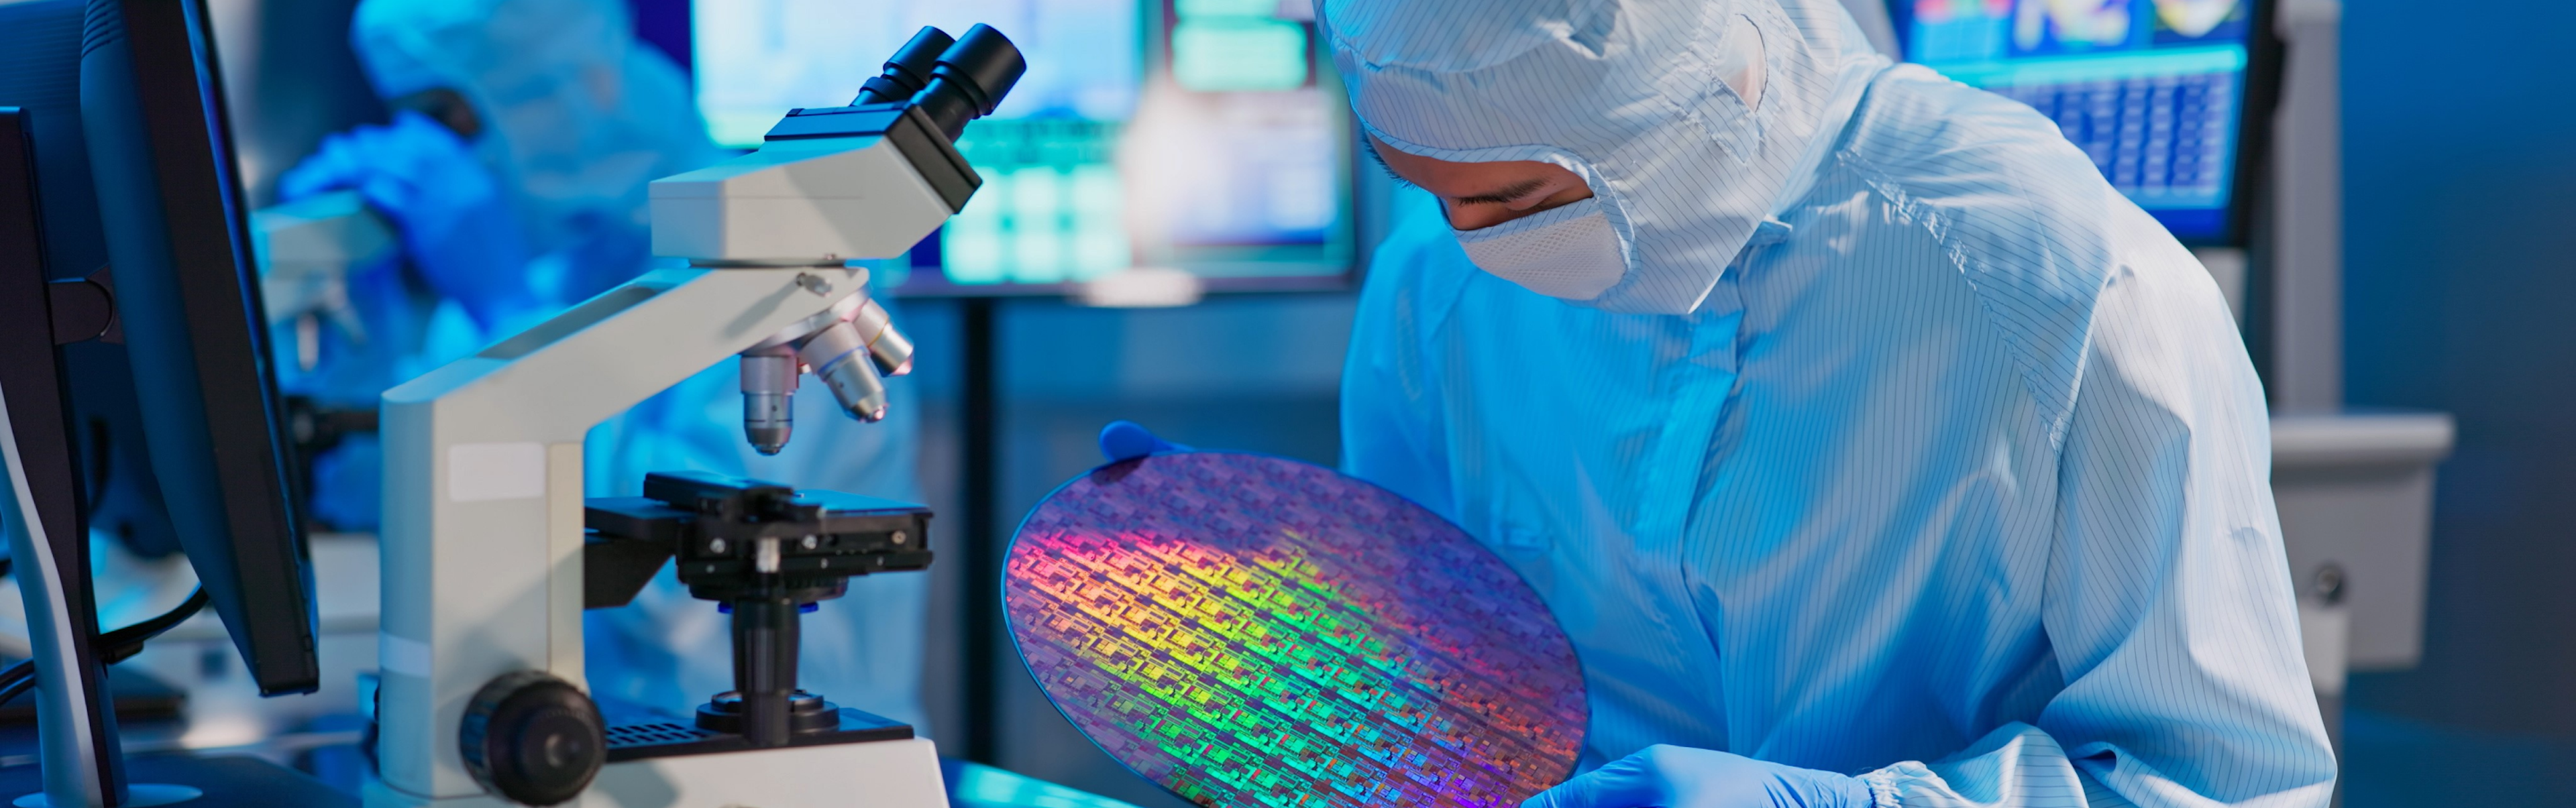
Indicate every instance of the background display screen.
{"type": "Point", "coordinates": [2150, 89]}
{"type": "Point", "coordinates": [1195, 134]}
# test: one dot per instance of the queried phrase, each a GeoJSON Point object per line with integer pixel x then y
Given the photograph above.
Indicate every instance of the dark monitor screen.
{"type": "Point", "coordinates": [2160, 93]}
{"type": "Point", "coordinates": [171, 210]}
{"type": "Point", "coordinates": [1202, 135]}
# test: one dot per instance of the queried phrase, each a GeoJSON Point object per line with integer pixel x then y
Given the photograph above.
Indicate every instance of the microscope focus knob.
{"type": "Point", "coordinates": [532, 739]}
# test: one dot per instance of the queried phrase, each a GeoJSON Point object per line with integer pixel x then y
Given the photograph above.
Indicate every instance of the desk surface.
{"type": "Point", "coordinates": [970, 785]}
{"type": "Point", "coordinates": [233, 781]}
{"type": "Point", "coordinates": [975, 785]}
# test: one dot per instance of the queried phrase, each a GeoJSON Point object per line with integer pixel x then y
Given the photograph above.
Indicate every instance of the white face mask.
{"type": "Point", "coordinates": [1568, 252]}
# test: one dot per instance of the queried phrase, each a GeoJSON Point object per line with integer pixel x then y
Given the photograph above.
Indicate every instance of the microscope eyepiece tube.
{"type": "Point", "coordinates": [908, 70]}
{"type": "Point", "coordinates": [769, 377]}
{"type": "Point", "coordinates": [971, 79]}
{"type": "Point", "coordinates": [839, 355]}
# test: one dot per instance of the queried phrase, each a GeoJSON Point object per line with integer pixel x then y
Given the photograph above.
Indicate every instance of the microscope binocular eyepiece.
{"type": "Point", "coordinates": [908, 71]}
{"type": "Point", "coordinates": [965, 81]}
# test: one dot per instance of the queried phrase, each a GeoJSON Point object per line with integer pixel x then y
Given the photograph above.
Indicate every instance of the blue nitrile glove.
{"type": "Point", "coordinates": [1124, 440]}
{"type": "Point", "coordinates": [1682, 777]}
{"type": "Point", "coordinates": [455, 218]}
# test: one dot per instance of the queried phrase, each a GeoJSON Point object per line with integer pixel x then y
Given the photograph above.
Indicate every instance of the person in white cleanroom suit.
{"type": "Point", "coordinates": [516, 169]}
{"type": "Point", "coordinates": [1872, 449]}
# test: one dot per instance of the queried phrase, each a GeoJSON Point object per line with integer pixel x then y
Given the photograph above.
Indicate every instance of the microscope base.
{"type": "Point", "coordinates": [880, 774]}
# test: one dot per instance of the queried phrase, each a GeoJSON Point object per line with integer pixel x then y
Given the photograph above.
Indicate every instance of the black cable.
{"type": "Point", "coordinates": [113, 647]}
{"type": "Point", "coordinates": [128, 641]}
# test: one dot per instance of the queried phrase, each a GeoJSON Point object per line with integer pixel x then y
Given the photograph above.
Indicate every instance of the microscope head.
{"type": "Point", "coordinates": [831, 185]}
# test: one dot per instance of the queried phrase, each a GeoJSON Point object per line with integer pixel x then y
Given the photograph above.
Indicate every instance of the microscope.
{"type": "Point", "coordinates": [490, 551]}
{"type": "Point", "coordinates": [307, 249]}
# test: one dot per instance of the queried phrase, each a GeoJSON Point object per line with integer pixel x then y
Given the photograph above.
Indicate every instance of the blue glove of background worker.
{"type": "Point", "coordinates": [456, 220]}
{"type": "Point", "coordinates": [1681, 777]}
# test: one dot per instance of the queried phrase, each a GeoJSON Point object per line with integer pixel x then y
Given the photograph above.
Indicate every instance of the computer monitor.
{"type": "Point", "coordinates": [170, 207]}
{"type": "Point", "coordinates": [1203, 135]}
{"type": "Point", "coordinates": [40, 73]}
{"type": "Point", "coordinates": [2171, 98]}
{"type": "Point", "coordinates": [113, 149]}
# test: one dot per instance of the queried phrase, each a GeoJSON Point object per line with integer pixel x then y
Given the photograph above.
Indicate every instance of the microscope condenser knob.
{"type": "Point", "coordinates": [532, 739]}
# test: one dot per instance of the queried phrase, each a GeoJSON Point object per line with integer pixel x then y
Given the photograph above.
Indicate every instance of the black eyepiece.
{"type": "Point", "coordinates": [971, 79]}
{"type": "Point", "coordinates": [909, 70]}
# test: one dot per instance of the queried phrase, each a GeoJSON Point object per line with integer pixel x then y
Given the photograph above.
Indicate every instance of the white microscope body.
{"type": "Point", "coordinates": [483, 545]}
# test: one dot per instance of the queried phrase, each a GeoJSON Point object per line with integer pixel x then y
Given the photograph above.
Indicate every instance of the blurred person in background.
{"type": "Point", "coordinates": [514, 170]}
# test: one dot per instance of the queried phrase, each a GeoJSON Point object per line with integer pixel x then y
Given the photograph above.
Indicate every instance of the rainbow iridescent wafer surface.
{"type": "Point", "coordinates": [1255, 631]}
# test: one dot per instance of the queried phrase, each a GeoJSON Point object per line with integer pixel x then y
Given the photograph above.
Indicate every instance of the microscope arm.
{"type": "Point", "coordinates": [483, 488]}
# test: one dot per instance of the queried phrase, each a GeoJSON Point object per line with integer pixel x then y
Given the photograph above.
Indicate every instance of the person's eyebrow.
{"type": "Point", "coordinates": [1370, 144]}
{"type": "Point", "coordinates": [1505, 195]}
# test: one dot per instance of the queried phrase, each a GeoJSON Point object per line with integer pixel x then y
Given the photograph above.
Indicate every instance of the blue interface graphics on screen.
{"type": "Point", "coordinates": [1220, 154]}
{"type": "Point", "coordinates": [2148, 88]}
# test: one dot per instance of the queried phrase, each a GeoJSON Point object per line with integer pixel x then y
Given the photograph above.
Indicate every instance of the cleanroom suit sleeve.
{"type": "Point", "coordinates": [2168, 605]}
